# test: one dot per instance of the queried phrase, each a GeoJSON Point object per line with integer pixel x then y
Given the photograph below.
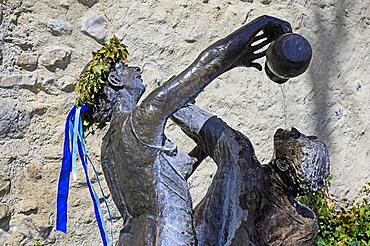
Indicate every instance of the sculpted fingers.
{"type": "Point", "coordinates": [256, 65]}
{"type": "Point", "coordinates": [261, 45]}
{"type": "Point", "coordinates": [274, 27]}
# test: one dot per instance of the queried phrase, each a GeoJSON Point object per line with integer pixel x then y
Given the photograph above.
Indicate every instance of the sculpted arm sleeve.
{"type": "Point", "coordinates": [149, 118]}
{"type": "Point", "coordinates": [204, 128]}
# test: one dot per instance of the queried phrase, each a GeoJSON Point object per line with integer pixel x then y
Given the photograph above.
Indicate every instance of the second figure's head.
{"type": "Point", "coordinates": [302, 162]}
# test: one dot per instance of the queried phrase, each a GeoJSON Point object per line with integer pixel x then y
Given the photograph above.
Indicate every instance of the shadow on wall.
{"type": "Point", "coordinates": [331, 37]}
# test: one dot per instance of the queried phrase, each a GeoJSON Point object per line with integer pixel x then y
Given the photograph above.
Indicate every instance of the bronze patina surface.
{"type": "Point", "coordinates": [147, 174]}
{"type": "Point", "coordinates": [249, 203]}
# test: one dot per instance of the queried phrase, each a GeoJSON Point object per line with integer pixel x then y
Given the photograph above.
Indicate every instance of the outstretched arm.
{"type": "Point", "coordinates": [234, 50]}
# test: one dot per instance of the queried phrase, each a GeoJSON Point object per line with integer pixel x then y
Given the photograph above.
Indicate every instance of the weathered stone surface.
{"type": "Point", "coordinates": [13, 123]}
{"type": "Point", "coordinates": [28, 206]}
{"type": "Point", "coordinates": [95, 26]}
{"type": "Point", "coordinates": [4, 217]}
{"type": "Point", "coordinates": [27, 61]}
{"type": "Point", "coordinates": [1, 13]}
{"type": "Point", "coordinates": [88, 3]}
{"type": "Point", "coordinates": [301, 2]}
{"type": "Point", "coordinates": [1, 56]}
{"type": "Point", "coordinates": [64, 4]}
{"type": "Point", "coordinates": [54, 86]}
{"type": "Point", "coordinates": [34, 171]}
{"type": "Point", "coordinates": [14, 239]}
{"type": "Point", "coordinates": [7, 81]}
{"type": "Point", "coordinates": [4, 186]}
{"type": "Point", "coordinates": [67, 83]}
{"type": "Point", "coordinates": [266, 2]}
{"type": "Point", "coordinates": [57, 57]}
{"type": "Point", "coordinates": [59, 27]}
{"type": "Point", "coordinates": [155, 32]}
{"type": "Point", "coordinates": [43, 225]}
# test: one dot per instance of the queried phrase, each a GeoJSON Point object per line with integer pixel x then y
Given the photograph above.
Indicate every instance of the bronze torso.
{"type": "Point", "coordinates": [153, 193]}
{"type": "Point", "coordinates": [284, 221]}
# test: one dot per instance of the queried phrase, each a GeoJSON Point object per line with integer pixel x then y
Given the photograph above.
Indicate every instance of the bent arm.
{"type": "Point", "coordinates": [199, 155]}
{"type": "Point", "coordinates": [191, 119]}
{"type": "Point", "coordinates": [150, 117]}
{"type": "Point", "coordinates": [204, 128]}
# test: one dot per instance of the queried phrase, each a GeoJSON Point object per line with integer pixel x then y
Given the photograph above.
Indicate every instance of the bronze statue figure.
{"type": "Point", "coordinates": [147, 174]}
{"type": "Point", "coordinates": [249, 203]}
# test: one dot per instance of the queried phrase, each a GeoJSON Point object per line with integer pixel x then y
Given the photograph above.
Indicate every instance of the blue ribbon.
{"type": "Point", "coordinates": [63, 185]}
{"type": "Point", "coordinates": [76, 125]}
{"type": "Point", "coordinates": [73, 139]}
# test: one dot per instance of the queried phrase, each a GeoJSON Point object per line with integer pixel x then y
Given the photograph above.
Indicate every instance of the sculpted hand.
{"type": "Point", "coordinates": [267, 29]}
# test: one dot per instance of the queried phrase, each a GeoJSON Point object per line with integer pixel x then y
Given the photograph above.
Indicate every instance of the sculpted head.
{"type": "Point", "coordinates": [124, 89]}
{"type": "Point", "coordinates": [302, 162]}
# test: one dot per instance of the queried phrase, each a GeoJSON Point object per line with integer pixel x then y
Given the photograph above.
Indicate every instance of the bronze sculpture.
{"type": "Point", "coordinates": [145, 172]}
{"type": "Point", "coordinates": [249, 203]}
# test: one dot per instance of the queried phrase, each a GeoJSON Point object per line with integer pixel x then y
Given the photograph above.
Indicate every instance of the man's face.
{"type": "Point", "coordinates": [303, 158]}
{"type": "Point", "coordinates": [123, 76]}
{"type": "Point", "coordinates": [124, 90]}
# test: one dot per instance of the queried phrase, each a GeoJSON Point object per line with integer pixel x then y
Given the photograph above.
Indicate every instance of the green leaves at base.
{"type": "Point", "coordinates": [342, 226]}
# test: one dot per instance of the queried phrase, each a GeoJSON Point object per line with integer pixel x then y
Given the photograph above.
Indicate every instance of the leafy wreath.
{"type": "Point", "coordinates": [92, 81]}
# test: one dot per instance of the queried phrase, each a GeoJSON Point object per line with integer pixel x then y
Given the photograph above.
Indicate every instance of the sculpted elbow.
{"type": "Point", "coordinates": [214, 52]}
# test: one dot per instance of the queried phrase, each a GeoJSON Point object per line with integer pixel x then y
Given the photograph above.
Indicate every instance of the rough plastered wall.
{"type": "Point", "coordinates": [44, 45]}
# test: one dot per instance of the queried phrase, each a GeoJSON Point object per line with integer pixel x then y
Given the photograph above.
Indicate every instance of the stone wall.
{"type": "Point", "coordinates": [44, 45]}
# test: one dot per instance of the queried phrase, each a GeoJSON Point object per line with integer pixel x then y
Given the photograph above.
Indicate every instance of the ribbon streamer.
{"type": "Point", "coordinates": [76, 125]}
{"type": "Point", "coordinates": [73, 140]}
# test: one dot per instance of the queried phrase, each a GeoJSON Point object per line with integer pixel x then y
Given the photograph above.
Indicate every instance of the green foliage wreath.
{"type": "Point", "coordinates": [94, 78]}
